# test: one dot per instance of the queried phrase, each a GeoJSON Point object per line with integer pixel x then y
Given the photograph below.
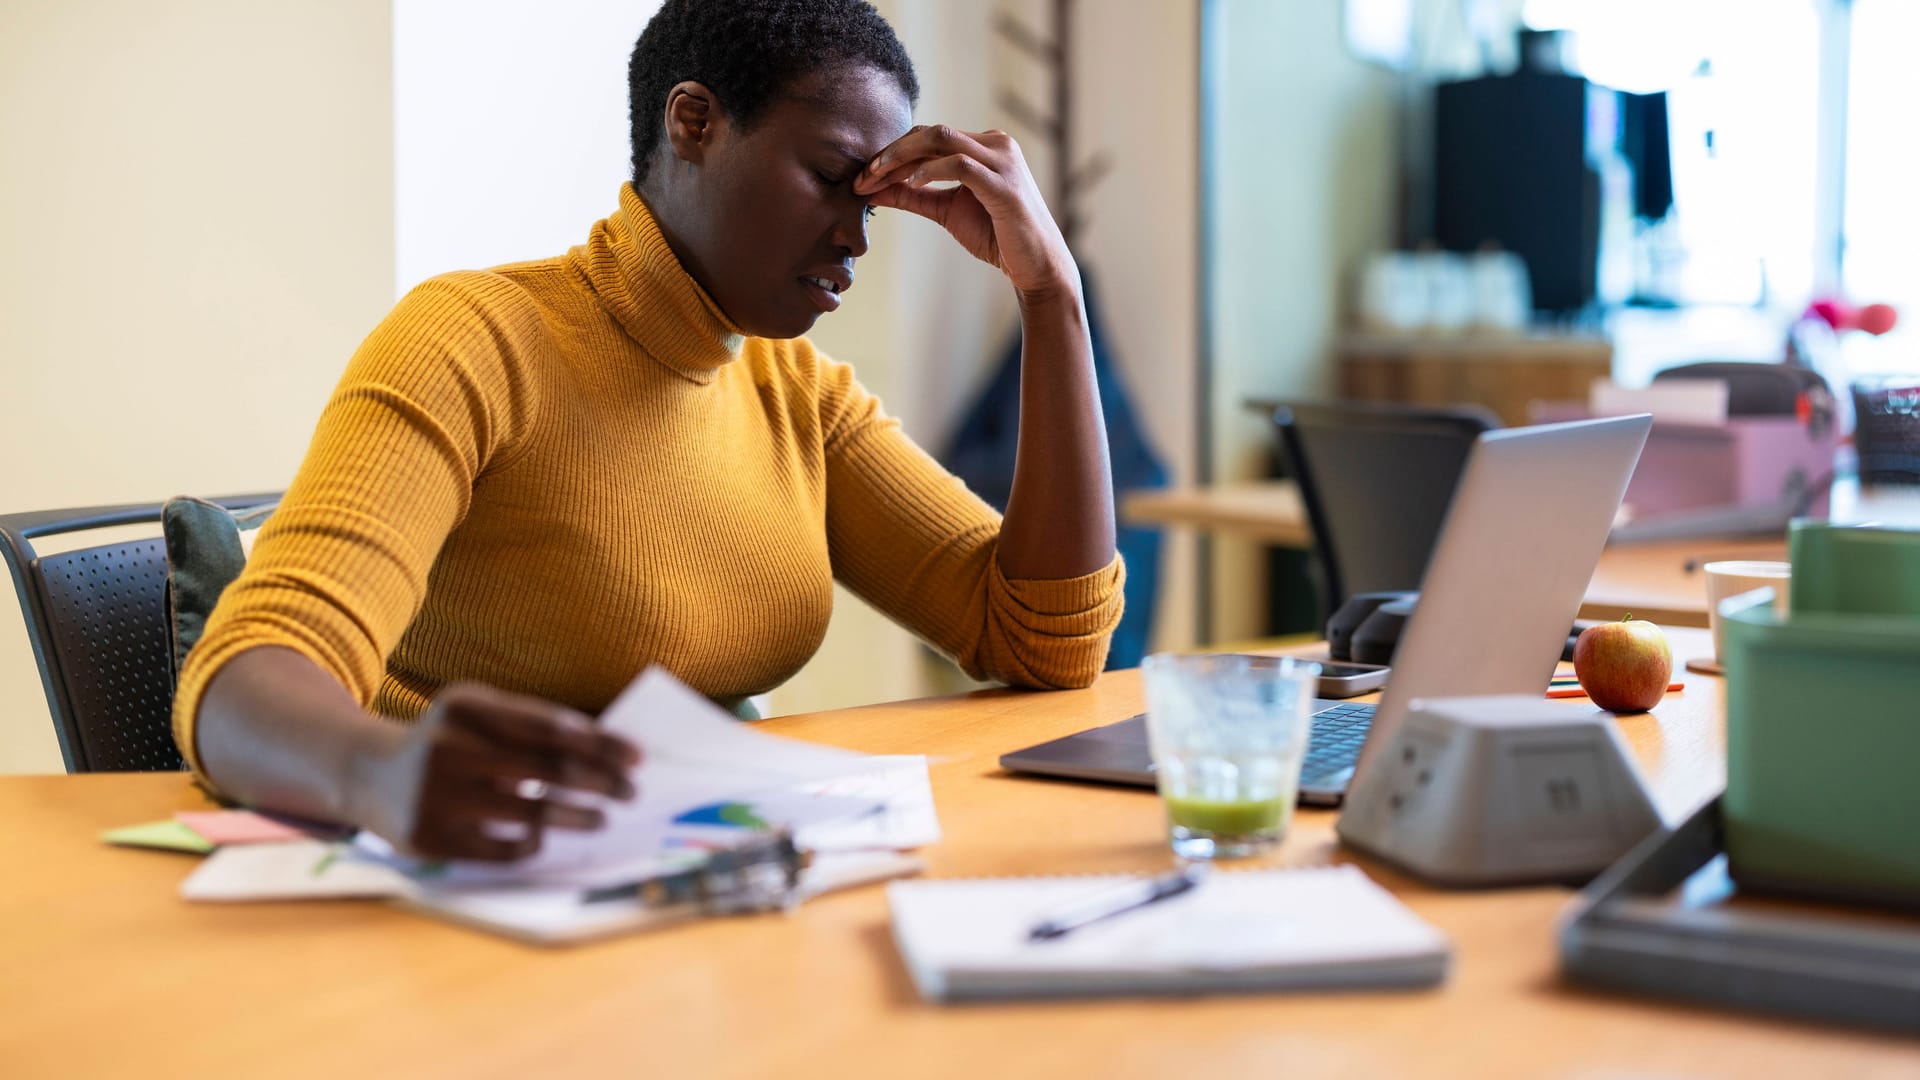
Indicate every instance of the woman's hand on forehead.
{"type": "Point", "coordinates": [995, 210]}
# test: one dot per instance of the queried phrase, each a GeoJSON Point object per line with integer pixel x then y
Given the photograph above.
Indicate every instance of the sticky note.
{"type": "Point", "coordinates": [237, 827]}
{"type": "Point", "coordinates": [163, 835]}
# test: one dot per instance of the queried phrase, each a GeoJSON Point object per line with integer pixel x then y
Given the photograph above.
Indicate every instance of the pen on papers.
{"type": "Point", "coordinates": [1118, 901]}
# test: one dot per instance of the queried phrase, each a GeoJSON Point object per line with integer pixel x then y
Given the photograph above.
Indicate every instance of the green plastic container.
{"type": "Point", "coordinates": [1854, 569]}
{"type": "Point", "coordinates": [1823, 722]}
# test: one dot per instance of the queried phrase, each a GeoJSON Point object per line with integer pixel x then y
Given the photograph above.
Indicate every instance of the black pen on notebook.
{"type": "Point", "coordinates": [1118, 901]}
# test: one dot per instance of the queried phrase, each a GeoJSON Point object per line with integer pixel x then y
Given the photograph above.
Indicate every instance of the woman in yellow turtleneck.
{"type": "Point", "coordinates": [533, 481]}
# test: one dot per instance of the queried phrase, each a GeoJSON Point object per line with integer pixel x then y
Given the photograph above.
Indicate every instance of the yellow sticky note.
{"type": "Point", "coordinates": [164, 835]}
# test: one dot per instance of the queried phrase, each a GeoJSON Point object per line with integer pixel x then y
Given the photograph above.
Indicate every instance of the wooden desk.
{"type": "Point", "coordinates": [108, 973]}
{"type": "Point", "coordinates": [1659, 581]}
{"type": "Point", "coordinates": [1662, 581]}
{"type": "Point", "coordinates": [1265, 510]}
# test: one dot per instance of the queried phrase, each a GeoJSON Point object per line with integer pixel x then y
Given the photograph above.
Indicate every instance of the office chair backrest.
{"type": "Point", "coordinates": [1376, 481]}
{"type": "Point", "coordinates": [97, 620]}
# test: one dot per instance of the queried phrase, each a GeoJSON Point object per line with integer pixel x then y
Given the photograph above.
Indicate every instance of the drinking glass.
{"type": "Point", "coordinates": [1228, 733]}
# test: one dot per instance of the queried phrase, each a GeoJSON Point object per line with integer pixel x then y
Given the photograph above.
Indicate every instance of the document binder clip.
{"type": "Point", "coordinates": [762, 874]}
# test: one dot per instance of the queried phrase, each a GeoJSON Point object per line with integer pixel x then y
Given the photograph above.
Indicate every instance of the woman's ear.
{"type": "Point", "coordinates": [692, 115]}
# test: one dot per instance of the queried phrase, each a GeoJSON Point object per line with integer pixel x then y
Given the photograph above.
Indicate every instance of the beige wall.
{"type": "Point", "coordinates": [196, 211]}
{"type": "Point", "coordinates": [1303, 187]}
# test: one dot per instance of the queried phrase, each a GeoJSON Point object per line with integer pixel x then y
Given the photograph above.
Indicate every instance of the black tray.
{"type": "Point", "coordinates": [1663, 921]}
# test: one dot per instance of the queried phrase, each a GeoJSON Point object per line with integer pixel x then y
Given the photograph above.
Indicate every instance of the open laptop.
{"type": "Point", "coordinates": [1522, 536]}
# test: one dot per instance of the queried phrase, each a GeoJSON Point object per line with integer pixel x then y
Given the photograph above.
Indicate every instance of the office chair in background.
{"type": "Point", "coordinates": [97, 619]}
{"type": "Point", "coordinates": [1375, 481]}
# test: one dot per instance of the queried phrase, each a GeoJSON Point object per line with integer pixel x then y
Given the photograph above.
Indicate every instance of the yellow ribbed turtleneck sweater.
{"type": "Point", "coordinates": [550, 475]}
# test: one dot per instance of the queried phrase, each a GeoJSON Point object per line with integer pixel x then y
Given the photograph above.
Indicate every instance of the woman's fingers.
{"type": "Point", "coordinates": [460, 820]}
{"type": "Point", "coordinates": [484, 773]}
{"type": "Point", "coordinates": [969, 210]}
{"type": "Point", "coordinates": [455, 841]}
{"type": "Point", "coordinates": [512, 764]}
{"type": "Point", "coordinates": [483, 801]}
{"type": "Point", "coordinates": [927, 142]}
{"type": "Point", "coordinates": [474, 811]}
{"type": "Point", "coordinates": [996, 212]}
{"type": "Point", "coordinates": [582, 755]}
{"type": "Point", "coordinates": [960, 168]}
{"type": "Point", "coordinates": [563, 815]}
{"type": "Point", "coordinates": [934, 204]}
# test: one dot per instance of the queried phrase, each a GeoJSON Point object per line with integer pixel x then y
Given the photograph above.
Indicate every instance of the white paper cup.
{"type": "Point", "coordinates": [1726, 579]}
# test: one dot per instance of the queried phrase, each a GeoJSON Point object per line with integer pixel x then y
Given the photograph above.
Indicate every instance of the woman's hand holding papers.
{"type": "Point", "coordinates": [479, 775]}
{"type": "Point", "coordinates": [482, 774]}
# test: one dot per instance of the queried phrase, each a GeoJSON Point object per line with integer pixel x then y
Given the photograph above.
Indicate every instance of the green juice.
{"type": "Point", "coordinates": [1225, 818]}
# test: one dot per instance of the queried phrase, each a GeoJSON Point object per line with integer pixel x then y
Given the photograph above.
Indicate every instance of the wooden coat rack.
{"type": "Point", "coordinates": [1072, 179]}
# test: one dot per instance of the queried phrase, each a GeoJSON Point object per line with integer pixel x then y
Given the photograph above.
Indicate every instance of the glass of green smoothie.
{"type": "Point", "coordinates": [1228, 732]}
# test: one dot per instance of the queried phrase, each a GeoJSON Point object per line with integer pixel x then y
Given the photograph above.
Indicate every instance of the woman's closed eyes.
{"type": "Point", "coordinates": [830, 181]}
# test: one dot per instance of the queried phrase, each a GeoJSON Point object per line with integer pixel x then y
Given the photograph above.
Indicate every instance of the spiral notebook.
{"type": "Point", "coordinates": [1309, 929]}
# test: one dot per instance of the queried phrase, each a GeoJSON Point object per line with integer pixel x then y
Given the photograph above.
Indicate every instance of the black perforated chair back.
{"type": "Point", "coordinates": [107, 613]}
{"type": "Point", "coordinates": [97, 620]}
{"type": "Point", "coordinates": [1376, 481]}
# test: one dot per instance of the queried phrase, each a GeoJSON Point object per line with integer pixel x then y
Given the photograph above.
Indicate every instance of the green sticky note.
{"type": "Point", "coordinates": [166, 835]}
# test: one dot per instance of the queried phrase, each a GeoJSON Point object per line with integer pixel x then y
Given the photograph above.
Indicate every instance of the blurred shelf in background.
{"type": "Point", "coordinates": [1502, 373]}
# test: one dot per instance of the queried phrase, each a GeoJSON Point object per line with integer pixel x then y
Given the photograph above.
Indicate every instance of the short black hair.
{"type": "Point", "coordinates": [747, 52]}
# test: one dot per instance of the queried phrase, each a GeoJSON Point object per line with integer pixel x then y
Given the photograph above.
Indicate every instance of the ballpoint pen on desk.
{"type": "Point", "coordinates": [1129, 897]}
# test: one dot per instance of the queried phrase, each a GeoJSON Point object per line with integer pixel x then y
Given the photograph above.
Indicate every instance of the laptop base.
{"type": "Point", "coordinates": [1119, 754]}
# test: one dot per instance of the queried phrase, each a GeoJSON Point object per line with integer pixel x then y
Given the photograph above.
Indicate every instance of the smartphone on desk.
{"type": "Point", "coordinates": [1340, 679]}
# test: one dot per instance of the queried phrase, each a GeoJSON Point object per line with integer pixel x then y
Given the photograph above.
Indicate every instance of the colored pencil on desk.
{"type": "Point", "coordinates": [1569, 687]}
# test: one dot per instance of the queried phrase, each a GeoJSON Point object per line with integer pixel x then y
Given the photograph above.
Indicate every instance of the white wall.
{"type": "Point", "coordinates": [1303, 186]}
{"type": "Point", "coordinates": [510, 128]}
{"type": "Point", "coordinates": [196, 211]}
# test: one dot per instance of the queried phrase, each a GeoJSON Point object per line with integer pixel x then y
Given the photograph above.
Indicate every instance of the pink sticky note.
{"type": "Point", "coordinates": [237, 827]}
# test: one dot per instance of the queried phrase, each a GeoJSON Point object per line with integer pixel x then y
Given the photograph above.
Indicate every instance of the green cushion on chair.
{"type": "Point", "coordinates": [207, 547]}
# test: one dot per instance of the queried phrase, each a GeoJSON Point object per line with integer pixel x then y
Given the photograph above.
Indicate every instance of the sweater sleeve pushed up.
{"type": "Point", "coordinates": [909, 538]}
{"type": "Point", "coordinates": [432, 398]}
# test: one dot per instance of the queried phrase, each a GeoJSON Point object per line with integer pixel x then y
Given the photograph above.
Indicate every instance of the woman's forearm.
{"type": "Point", "coordinates": [277, 731]}
{"type": "Point", "coordinates": [274, 730]}
{"type": "Point", "coordinates": [1059, 519]}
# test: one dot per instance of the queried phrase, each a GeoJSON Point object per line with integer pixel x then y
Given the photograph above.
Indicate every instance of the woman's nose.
{"type": "Point", "coordinates": [851, 234]}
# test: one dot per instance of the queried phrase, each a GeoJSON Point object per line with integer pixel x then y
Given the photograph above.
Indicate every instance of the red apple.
{"type": "Point", "coordinates": [1623, 666]}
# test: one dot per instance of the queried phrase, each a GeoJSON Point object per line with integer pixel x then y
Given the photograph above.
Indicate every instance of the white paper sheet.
{"type": "Point", "coordinates": [903, 814]}
{"type": "Point", "coordinates": [290, 870]}
{"type": "Point", "coordinates": [694, 756]}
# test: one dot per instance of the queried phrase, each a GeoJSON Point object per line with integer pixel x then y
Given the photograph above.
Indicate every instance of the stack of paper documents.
{"type": "Point", "coordinates": [707, 782]}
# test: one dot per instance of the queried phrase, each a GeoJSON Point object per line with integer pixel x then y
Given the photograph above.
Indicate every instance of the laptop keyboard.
{"type": "Point", "coordinates": [1334, 744]}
